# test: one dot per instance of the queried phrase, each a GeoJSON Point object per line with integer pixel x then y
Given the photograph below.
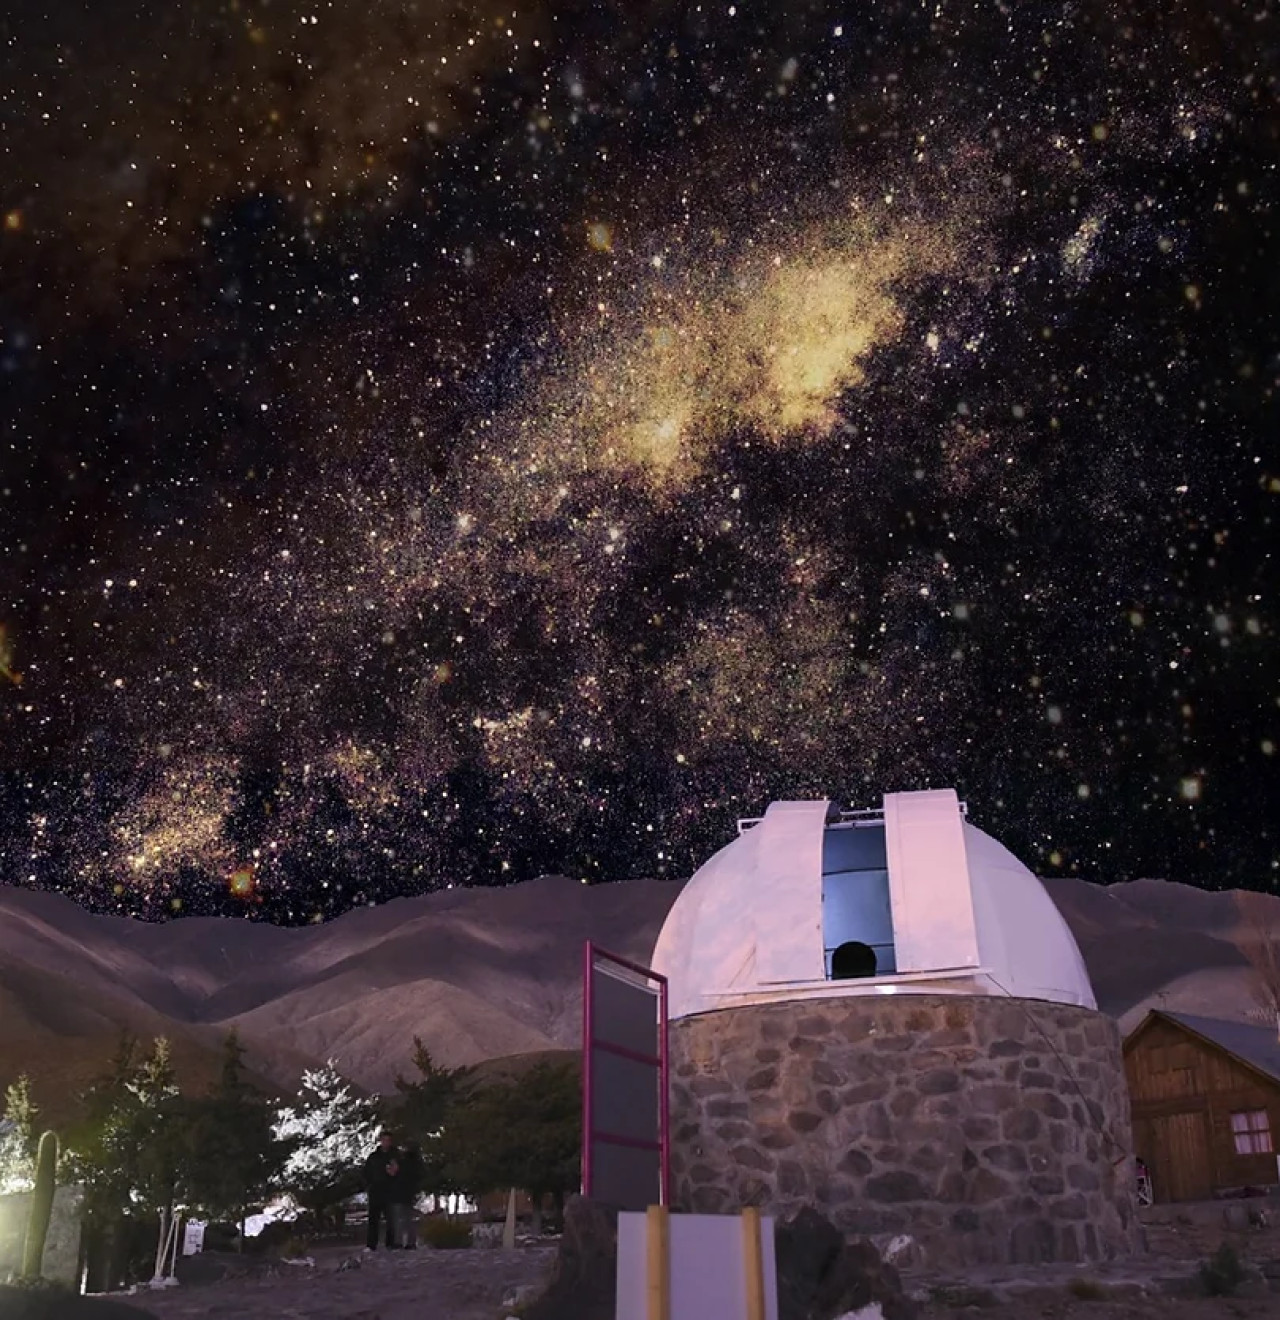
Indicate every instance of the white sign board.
{"type": "Point", "coordinates": [192, 1237]}
{"type": "Point", "coordinates": [708, 1268]}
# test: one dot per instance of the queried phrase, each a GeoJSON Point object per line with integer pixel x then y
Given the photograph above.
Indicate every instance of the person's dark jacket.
{"type": "Point", "coordinates": [412, 1176]}
{"type": "Point", "coordinates": [380, 1182]}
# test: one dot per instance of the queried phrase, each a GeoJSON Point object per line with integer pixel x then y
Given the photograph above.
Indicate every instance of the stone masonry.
{"type": "Point", "coordinates": [984, 1129]}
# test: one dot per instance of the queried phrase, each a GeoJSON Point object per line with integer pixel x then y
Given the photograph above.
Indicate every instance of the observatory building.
{"type": "Point", "coordinates": [883, 1015]}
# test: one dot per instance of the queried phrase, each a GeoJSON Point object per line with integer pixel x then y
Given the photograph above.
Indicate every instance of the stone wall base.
{"type": "Point", "coordinates": [949, 1130]}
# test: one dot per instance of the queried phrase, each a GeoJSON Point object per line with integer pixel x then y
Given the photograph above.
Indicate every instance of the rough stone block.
{"type": "Point", "coordinates": [1032, 1242]}
{"type": "Point", "coordinates": [720, 1106]}
{"type": "Point", "coordinates": [896, 1185]}
{"type": "Point", "coordinates": [824, 1074]}
{"type": "Point", "coordinates": [763, 1080]}
{"type": "Point", "coordinates": [894, 1044]}
{"type": "Point", "coordinates": [1021, 1125]}
{"type": "Point", "coordinates": [1007, 1156]}
{"type": "Point", "coordinates": [751, 1158]}
{"type": "Point", "coordinates": [875, 1088]}
{"type": "Point", "coordinates": [1006, 1049]}
{"type": "Point", "coordinates": [903, 1104]}
{"type": "Point", "coordinates": [702, 1087]}
{"type": "Point", "coordinates": [813, 1024]}
{"type": "Point", "coordinates": [979, 1127]}
{"type": "Point", "coordinates": [802, 1120]}
{"type": "Point", "coordinates": [940, 1081]}
{"type": "Point", "coordinates": [1083, 1178]}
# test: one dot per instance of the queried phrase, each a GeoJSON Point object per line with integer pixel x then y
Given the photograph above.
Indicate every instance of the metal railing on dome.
{"type": "Point", "coordinates": [863, 816]}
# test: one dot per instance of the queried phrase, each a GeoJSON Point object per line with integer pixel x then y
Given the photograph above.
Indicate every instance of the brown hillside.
{"type": "Point", "coordinates": [478, 974]}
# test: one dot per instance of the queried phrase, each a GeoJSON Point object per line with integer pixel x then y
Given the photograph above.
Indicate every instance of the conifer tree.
{"type": "Point", "coordinates": [234, 1156]}
{"type": "Point", "coordinates": [18, 1138]}
{"type": "Point", "coordinates": [425, 1106]}
{"type": "Point", "coordinates": [329, 1130]}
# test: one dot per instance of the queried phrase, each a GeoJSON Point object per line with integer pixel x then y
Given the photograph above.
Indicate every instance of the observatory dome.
{"type": "Point", "coordinates": [809, 902]}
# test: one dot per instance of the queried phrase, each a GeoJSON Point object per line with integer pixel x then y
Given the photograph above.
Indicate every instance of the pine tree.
{"type": "Point", "coordinates": [129, 1153]}
{"type": "Point", "coordinates": [233, 1153]}
{"type": "Point", "coordinates": [155, 1132]}
{"type": "Point", "coordinates": [101, 1154]}
{"type": "Point", "coordinates": [18, 1138]}
{"type": "Point", "coordinates": [425, 1104]}
{"type": "Point", "coordinates": [154, 1129]}
{"type": "Point", "coordinates": [524, 1133]}
{"type": "Point", "coordinates": [330, 1130]}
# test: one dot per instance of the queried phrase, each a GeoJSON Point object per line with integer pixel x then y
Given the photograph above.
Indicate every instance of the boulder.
{"type": "Point", "coordinates": [821, 1276]}
{"type": "Point", "coordinates": [806, 1248]}
{"type": "Point", "coordinates": [584, 1279]}
{"type": "Point", "coordinates": [54, 1304]}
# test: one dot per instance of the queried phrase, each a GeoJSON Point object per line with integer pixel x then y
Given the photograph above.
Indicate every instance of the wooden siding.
{"type": "Point", "coordinates": [1183, 1091]}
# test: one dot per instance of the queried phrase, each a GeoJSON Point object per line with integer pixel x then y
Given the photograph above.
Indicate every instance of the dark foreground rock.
{"type": "Point", "coordinates": [584, 1279]}
{"type": "Point", "coordinates": [42, 1304]}
{"type": "Point", "coordinates": [821, 1276]}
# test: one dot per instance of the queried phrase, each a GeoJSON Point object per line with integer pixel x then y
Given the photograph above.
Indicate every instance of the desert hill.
{"type": "Point", "coordinates": [479, 974]}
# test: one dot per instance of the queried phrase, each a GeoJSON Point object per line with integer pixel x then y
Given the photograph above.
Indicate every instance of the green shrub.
{"type": "Point", "coordinates": [1222, 1273]}
{"type": "Point", "coordinates": [295, 1248]}
{"type": "Point", "coordinates": [445, 1234]}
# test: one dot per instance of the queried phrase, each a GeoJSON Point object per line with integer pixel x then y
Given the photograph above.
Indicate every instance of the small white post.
{"type": "Point", "coordinates": [509, 1228]}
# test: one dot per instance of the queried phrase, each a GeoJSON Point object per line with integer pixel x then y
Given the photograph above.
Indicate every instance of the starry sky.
{"type": "Point", "coordinates": [447, 443]}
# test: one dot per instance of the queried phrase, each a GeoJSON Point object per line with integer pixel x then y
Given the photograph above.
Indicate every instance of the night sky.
{"type": "Point", "coordinates": [447, 444]}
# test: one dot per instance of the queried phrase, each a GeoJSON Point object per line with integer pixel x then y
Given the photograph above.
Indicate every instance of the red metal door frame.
{"type": "Point", "coordinates": [593, 954]}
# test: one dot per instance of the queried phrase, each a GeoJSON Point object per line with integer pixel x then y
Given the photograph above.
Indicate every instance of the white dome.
{"type": "Point", "coordinates": [929, 902]}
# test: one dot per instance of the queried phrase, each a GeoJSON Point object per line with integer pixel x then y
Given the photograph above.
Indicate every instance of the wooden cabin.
{"type": "Point", "coordinates": [1205, 1097]}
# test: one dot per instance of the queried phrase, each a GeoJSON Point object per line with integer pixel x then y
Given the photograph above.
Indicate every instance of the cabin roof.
{"type": "Point", "coordinates": [1256, 1047]}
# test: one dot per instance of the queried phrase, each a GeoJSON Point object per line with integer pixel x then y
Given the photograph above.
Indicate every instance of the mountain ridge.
{"type": "Point", "coordinates": [479, 974]}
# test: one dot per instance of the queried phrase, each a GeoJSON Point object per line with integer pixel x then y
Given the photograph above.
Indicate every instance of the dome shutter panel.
{"type": "Point", "coordinates": [929, 887]}
{"type": "Point", "coordinates": [786, 892]}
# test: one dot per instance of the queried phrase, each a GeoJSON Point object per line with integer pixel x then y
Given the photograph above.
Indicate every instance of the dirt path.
{"type": "Point", "coordinates": [418, 1285]}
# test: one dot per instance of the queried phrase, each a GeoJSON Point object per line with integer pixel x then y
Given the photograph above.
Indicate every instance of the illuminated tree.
{"type": "Point", "coordinates": [329, 1131]}
{"type": "Point", "coordinates": [18, 1138]}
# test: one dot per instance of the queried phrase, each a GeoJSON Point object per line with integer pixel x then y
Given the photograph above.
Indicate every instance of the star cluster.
{"type": "Point", "coordinates": [445, 444]}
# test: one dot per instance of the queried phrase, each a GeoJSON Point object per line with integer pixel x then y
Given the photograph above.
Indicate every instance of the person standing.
{"type": "Point", "coordinates": [408, 1188]}
{"type": "Point", "coordinates": [382, 1178]}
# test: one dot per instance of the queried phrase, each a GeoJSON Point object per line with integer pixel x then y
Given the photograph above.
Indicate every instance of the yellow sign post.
{"type": "Point", "coordinates": [658, 1235]}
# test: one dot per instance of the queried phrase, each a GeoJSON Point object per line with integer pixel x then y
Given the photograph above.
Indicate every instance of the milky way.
{"type": "Point", "coordinates": [446, 445]}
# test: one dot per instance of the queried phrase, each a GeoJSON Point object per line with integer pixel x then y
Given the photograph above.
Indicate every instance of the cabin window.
{"type": "Point", "coordinates": [857, 920]}
{"type": "Point", "coordinates": [1251, 1129]}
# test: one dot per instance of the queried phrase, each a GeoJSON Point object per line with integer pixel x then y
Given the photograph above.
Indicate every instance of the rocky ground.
{"type": "Point", "coordinates": [343, 1285]}
{"type": "Point", "coordinates": [479, 1284]}
{"type": "Point", "coordinates": [1163, 1285]}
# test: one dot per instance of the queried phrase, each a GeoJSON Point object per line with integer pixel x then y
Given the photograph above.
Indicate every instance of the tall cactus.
{"type": "Point", "coordinates": [41, 1207]}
